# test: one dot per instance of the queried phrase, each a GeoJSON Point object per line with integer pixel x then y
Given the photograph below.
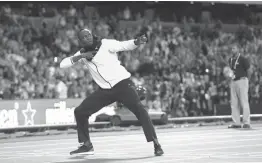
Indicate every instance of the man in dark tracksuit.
{"type": "Point", "coordinates": [239, 89]}
{"type": "Point", "coordinates": [100, 57]}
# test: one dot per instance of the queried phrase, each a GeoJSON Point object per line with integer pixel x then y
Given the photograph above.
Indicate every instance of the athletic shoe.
{"type": "Point", "coordinates": [158, 150]}
{"type": "Point", "coordinates": [234, 126]}
{"type": "Point", "coordinates": [247, 126]}
{"type": "Point", "coordinates": [83, 149]}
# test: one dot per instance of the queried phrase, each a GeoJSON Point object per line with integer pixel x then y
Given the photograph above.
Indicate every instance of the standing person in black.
{"type": "Point", "coordinates": [100, 57]}
{"type": "Point", "coordinates": [239, 88]}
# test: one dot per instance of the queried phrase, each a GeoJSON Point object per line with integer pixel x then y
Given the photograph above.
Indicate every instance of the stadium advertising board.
{"type": "Point", "coordinates": [14, 113]}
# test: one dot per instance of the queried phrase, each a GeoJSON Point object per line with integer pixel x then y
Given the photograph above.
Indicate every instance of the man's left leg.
{"type": "Point", "coordinates": [127, 95]}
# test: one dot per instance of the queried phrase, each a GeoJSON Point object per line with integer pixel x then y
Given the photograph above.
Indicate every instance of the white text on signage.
{"type": "Point", "coordinates": [60, 114]}
{"type": "Point", "coordinates": [8, 118]}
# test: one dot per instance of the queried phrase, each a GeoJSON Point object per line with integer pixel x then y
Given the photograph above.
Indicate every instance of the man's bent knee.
{"type": "Point", "coordinates": [77, 111]}
{"type": "Point", "coordinates": [80, 111]}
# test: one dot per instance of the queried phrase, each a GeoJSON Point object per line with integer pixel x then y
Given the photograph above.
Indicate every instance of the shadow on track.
{"type": "Point", "coordinates": [85, 159]}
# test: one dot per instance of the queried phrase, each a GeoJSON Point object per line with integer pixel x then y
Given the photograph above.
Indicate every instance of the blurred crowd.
{"type": "Point", "coordinates": [181, 67]}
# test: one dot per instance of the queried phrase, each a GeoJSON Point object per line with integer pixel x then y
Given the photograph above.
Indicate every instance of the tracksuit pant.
{"type": "Point", "coordinates": [124, 92]}
{"type": "Point", "coordinates": [239, 99]}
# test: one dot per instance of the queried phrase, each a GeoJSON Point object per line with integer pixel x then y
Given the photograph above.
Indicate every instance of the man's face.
{"type": "Point", "coordinates": [234, 49]}
{"type": "Point", "coordinates": [85, 38]}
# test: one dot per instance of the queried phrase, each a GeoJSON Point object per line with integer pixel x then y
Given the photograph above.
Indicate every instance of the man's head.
{"type": "Point", "coordinates": [85, 38]}
{"type": "Point", "coordinates": [234, 49]}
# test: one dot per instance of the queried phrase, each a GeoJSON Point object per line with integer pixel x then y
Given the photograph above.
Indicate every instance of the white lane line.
{"type": "Point", "coordinates": [170, 137]}
{"type": "Point", "coordinates": [175, 133]}
{"type": "Point", "coordinates": [139, 145]}
{"type": "Point", "coordinates": [211, 157]}
{"type": "Point", "coordinates": [122, 154]}
{"type": "Point", "coordinates": [165, 158]}
{"type": "Point", "coordinates": [134, 141]}
{"type": "Point", "coordinates": [187, 156]}
{"type": "Point", "coordinates": [225, 147]}
{"type": "Point", "coordinates": [131, 138]}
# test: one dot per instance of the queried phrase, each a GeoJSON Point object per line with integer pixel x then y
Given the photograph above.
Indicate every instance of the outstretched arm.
{"type": "Point", "coordinates": [69, 61]}
{"type": "Point", "coordinates": [117, 46]}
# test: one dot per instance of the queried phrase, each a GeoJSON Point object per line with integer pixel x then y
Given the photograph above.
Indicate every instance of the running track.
{"type": "Point", "coordinates": [182, 145]}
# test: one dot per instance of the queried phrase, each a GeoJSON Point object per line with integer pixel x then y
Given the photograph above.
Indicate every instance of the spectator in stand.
{"type": "Point", "coordinates": [74, 90]}
{"type": "Point", "coordinates": [212, 91]}
{"type": "Point", "coordinates": [127, 14]}
{"type": "Point", "coordinates": [60, 88]}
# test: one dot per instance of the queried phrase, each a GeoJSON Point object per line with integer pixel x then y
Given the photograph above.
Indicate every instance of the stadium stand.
{"type": "Point", "coordinates": [181, 66]}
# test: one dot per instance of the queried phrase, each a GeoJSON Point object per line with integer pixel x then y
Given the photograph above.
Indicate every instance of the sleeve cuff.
{"type": "Point", "coordinates": [71, 59]}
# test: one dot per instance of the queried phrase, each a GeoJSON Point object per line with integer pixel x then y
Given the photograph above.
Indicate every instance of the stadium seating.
{"type": "Point", "coordinates": [181, 66]}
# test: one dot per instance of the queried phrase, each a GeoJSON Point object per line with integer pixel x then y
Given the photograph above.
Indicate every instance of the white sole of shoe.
{"type": "Point", "coordinates": [84, 153]}
{"type": "Point", "coordinates": [88, 153]}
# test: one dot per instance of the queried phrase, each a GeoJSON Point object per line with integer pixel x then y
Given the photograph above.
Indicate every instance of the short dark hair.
{"type": "Point", "coordinates": [84, 29]}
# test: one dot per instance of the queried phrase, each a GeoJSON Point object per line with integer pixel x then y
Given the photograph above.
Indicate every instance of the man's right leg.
{"type": "Point", "coordinates": [127, 95]}
{"type": "Point", "coordinates": [90, 105]}
{"type": "Point", "coordinates": [235, 111]}
{"type": "Point", "coordinates": [243, 87]}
